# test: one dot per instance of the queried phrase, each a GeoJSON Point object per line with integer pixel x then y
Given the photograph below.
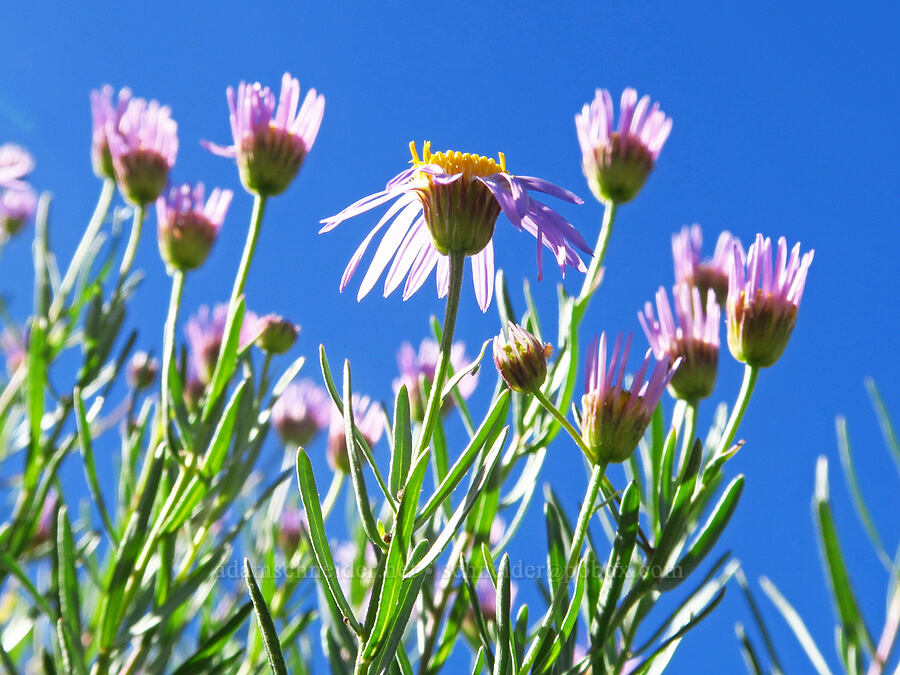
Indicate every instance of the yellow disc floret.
{"type": "Point", "coordinates": [453, 161]}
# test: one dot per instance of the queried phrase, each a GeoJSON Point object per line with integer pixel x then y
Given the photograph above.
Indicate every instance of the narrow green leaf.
{"type": "Point", "coordinates": [227, 357]}
{"type": "Point", "coordinates": [287, 377]}
{"type": "Point", "coordinates": [503, 663]}
{"type": "Point", "coordinates": [470, 369]}
{"type": "Point", "coordinates": [34, 398]}
{"type": "Point", "coordinates": [90, 470]}
{"type": "Point", "coordinates": [477, 614]}
{"type": "Point", "coordinates": [401, 448]}
{"type": "Point", "coordinates": [884, 419]}
{"type": "Point", "coordinates": [478, 665]}
{"type": "Point", "coordinates": [67, 578]}
{"type": "Point", "coordinates": [213, 644]}
{"type": "Point", "coordinates": [760, 623]}
{"type": "Point", "coordinates": [266, 625]}
{"type": "Point", "coordinates": [751, 660]}
{"type": "Point", "coordinates": [568, 621]}
{"type": "Point", "coordinates": [222, 436]}
{"type": "Point", "coordinates": [796, 624]}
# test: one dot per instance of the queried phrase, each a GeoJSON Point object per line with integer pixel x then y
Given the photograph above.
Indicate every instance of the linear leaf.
{"type": "Point", "coordinates": [227, 360]}
{"type": "Point", "coordinates": [266, 625]}
{"type": "Point", "coordinates": [796, 624]}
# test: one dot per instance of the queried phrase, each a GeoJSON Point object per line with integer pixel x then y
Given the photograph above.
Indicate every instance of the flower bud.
{"type": "Point", "coordinates": [17, 207]}
{"type": "Point", "coordinates": [276, 334]}
{"type": "Point", "coordinates": [187, 229]}
{"type": "Point", "coordinates": [142, 370]}
{"type": "Point", "coordinates": [521, 359]}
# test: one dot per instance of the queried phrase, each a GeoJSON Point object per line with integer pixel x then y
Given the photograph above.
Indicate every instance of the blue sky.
{"type": "Point", "coordinates": [784, 121]}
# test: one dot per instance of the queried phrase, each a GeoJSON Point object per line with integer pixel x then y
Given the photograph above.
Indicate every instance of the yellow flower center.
{"type": "Point", "coordinates": [453, 162]}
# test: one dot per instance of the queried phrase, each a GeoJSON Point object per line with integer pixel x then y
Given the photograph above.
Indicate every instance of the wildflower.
{"type": "Point", "coordinates": [708, 274]}
{"type": "Point", "coordinates": [521, 359]}
{"type": "Point", "coordinates": [614, 418]}
{"type": "Point", "coordinates": [142, 370]}
{"type": "Point", "coordinates": [102, 112]}
{"type": "Point", "coordinates": [276, 334]}
{"type": "Point", "coordinates": [448, 202]}
{"type": "Point", "coordinates": [187, 228]}
{"type": "Point", "coordinates": [763, 300]}
{"type": "Point", "coordinates": [270, 143]}
{"type": "Point", "coordinates": [291, 527]}
{"type": "Point", "coordinates": [15, 163]}
{"type": "Point", "coordinates": [617, 163]}
{"type": "Point", "coordinates": [17, 206]}
{"type": "Point", "coordinates": [143, 146]}
{"type": "Point", "coordinates": [693, 338]}
{"type": "Point", "coordinates": [205, 332]}
{"type": "Point", "coordinates": [423, 364]}
{"type": "Point", "coordinates": [301, 412]}
{"type": "Point", "coordinates": [369, 419]}
{"type": "Point", "coordinates": [12, 344]}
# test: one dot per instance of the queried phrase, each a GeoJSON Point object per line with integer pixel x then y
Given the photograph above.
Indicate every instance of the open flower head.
{"type": "Point", "coordinates": [422, 364]}
{"type": "Point", "coordinates": [301, 412]}
{"type": "Point", "coordinates": [369, 419]}
{"type": "Point", "coordinates": [713, 273]}
{"type": "Point", "coordinates": [449, 202]}
{"type": "Point", "coordinates": [690, 334]}
{"type": "Point", "coordinates": [105, 114]}
{"type": "Point", "coordinates": [143, 146]}
{"type": "Point", "coordinates": [617, 161]}
{"type": "Point", "coordinates": [15, 163]}
{"type": "Point", "coordinates": [17, 206]}
{"type": "Point", "coordinates": [763, 299]}
{"type": "Point", "coordinates": [614, 416]}
{"type": "Point", "coordinates": [188, 225]}
{"type": "Point", "coordinates": [271, 139]}
{"type": "Point", "coordinates": [205, 332]}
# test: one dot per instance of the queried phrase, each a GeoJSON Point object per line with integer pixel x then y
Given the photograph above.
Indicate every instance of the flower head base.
{"type": "Point", "coordinates": [187, 228]}
{"type": "Point", "coordinates": [369, 420]}
{"type": "Point", "coordinates": [614, 418]}
{"type": "Point", "coordinates": [448, 202]}
{"type": "Point", "coordinates": [105, 114]}
{"type": "Point", "coordinates": [15, 163]}
{"type": "Point", "coordinates": [270, 143]}
{"type": "Point", "coordinates": [143, 146]}
{"type": "Point", "coordinates": [763, 300]}
{"type": "Point", "coordinates": [17, 206]}
{"type": "Point", "coordinates": [142, 370]}
{"type": "Point", "coordinates": [617, 163]}
{"type": "Point", "coordinates": [301, 412]}
{"type": "Point", "coordinates": [276, 334]}
{"type": "Point", "coordinates": [521, 359]}
{"type": "Point", "coordinates": [693, 338]}
{"type": "Point", "coordinates": [707, 274]}
{"type": "Point", "coordinates": [205, 332]}
{"type": "Point", "coordinates": [291, 528]}
{"type": "Point", "coordinates": [416, 366]}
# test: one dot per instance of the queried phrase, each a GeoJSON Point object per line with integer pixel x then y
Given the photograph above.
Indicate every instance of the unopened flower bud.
{"type": "Point", "coordinates": [276, 334]}
{"type": "Point", "coordinates": [187, 228]}
{"type": "Point", "coordinates": [17, 207]}
{"type": "Point", "coordinates": [142, 370]}
{"type": "Point", "coordinates": [521, 359]}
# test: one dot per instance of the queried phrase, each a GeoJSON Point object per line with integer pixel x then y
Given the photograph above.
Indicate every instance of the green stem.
{"type": "Point", "coordinates": [433, 409]}
{"type": "Point", "coordinates": [737, 413]}
{"type": "Point", "coordinates": [169, 350]}
{"type": "Point", "coordinates": [140, 212]}
{"type": "Point", "coordinates": [593, 273]}
{"type": "Point", "coordinates": [259, 207]}
{"type": "Point", "coordinates": [548, 405]}
{"type": "Point", "coordinates": [688, 433]}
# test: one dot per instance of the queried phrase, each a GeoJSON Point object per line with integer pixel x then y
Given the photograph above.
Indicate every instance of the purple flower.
{"type": "Point", "coordinates": [614, 417]}
{"type": "Point", "coordinates": [300, 412]}
{"type": "Point", "coordinates": [188, 227]}
{"type": "Point", "coordinates": [369, 419]}
{"type": "Point", "coordinates": [13, 346]}
{"type": "Point", "coordinates": [487, 596]}
{"type": "Point", "coordinates": [414, 365]}
{"type": "Point", "coordinates": [521, 358]}
{"type": "Point", "coordinates": [15, 163]}
{"type": "Point", "coordinates": [290, 530]}
{"type": "Point", "coordinates": [17, 206]}
{"type": "Point", "coordinates": [270, 143]}
{"type": "Point", "coordinates": [617, 162]}
{"type": "Point", "coordinates": [763, 299]}
{"type": "Point", "coordinates": [707, 274]}
{"type": "Point", "coordinates": [205, 332]}
{"type": "Point", "coordinates": [691, 334]}
{"type": "Point", "coordinates": [449, 201]}
{"type": "Point", "coordinates": [143, 146]}
{"type": "Point", "coordinates": [105, 114]}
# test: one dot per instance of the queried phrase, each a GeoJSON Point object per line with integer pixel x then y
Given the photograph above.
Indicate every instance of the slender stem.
{"type": "Point", "coordinates": [688, 433]}
{"type": "Point", "coordinates": [259, 207]}
{"type": "Point", "coordinates": [440, 604]}
{"type": "Point", "coordinates": [737, 413]}
{"type": "Point", "coordinates": [128, 259]}
{"type": "Point", "coordinates": [169, 350]}
{"type": "Point", "coordinates": [888, 636]}
{"type": "Point", "coordinates": [593, 273]}
{"type": "Point", "coordinates": [433, 409]}
{"type": "Point", "coordinates": [548, 405]}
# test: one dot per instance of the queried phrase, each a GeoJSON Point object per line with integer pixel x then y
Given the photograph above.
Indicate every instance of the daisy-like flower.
{"type": "Point", "coordinates": [521, 359]}
{"type": "Point", "coordinates": [369, 419]}
{"type": "Point", "coordinates": [690, 334]}
{"type": "Point", "coordinates": [188, 226]}
{"type": "Point", "coordinates": [15, 163]}
{"type": "Point", "coordinates": [713, 273]}
{"type": "Point", "coordinates": [143, 146]}
{"type": "Point", "coordinates": [614, 417]}
{"type": "Point", "coordinates": [414, 365]}
{"type": "Point", "coordinates": [17, 206]}
{"type": "Point", "coordinates": [449, 202]}
{"type": "Point", "coordinates": [270, 142]}
{"type": "Point", "coordinates": [205, 332]}
{"type": "Point", "coordinates": [617, 162]}
{"type": "Point", "coordinates": [763, 300]}
{"type": "Point", "coordinates": [301, 412]}
{"type": "Point", "coordinates": [105, 113]}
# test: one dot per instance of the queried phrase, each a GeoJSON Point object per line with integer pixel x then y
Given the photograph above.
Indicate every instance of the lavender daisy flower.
{"type": "Point", "coordinates": [369, 420]}
{"type": "Point", "coordinates": [301, 412]}
{"type": "Point", "coordinates": [414, 365]}
{"type": "Point", "coordinates": [15, 163]}
{"type": "Point", "coordinates": [763, 300]}
{"type": "Point", "coordinates": [693, 338]}
{"type": "Point", "coordinates": [104, 113]}
{"type": "Point", "coordinates": [617, 163]}
{"type": "Point", "coordinates": [707, 274]}
{"type": "Point", "coordinates": [205, 332]}
{"type": "Point", "coordinates": [17, 206]}
{"type": "Point", "coordinates": [448, 202]}
{"type": "Point", "coordinates": [143, 146]}
{"type": "Point", "coordinates": [270, 143]}
{"type": "Point", "coordinates": [188, 227]}
{"type": "Point", "coordinates": [613, 417]}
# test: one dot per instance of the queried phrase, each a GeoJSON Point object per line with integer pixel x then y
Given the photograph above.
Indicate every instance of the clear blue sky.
{"type": "Point", "coordinates": [784, 122]}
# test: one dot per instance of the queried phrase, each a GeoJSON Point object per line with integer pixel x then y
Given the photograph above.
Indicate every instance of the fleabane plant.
{"type": "Point", "coordinates": [208, 545]}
